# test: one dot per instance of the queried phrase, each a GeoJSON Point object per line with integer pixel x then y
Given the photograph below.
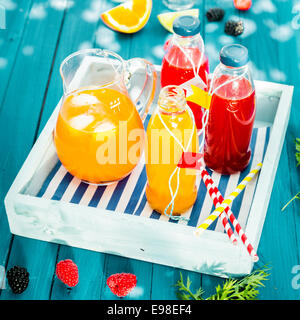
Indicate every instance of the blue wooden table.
{"type": "Point", "coordinates": [39, 34]}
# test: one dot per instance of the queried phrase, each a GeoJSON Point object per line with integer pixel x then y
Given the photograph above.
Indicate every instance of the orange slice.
{"type": "Point", "coordinates": [128, 17]}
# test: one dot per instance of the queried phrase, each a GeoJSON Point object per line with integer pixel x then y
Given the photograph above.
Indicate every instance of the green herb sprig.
{"type": "Point", "coordinates": [233, 289]}
{"type": "Point", "coordinates": [297, 155]}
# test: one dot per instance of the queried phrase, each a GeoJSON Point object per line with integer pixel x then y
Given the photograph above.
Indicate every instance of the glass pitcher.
{"type": "Point", "coordinates": [99, 134]}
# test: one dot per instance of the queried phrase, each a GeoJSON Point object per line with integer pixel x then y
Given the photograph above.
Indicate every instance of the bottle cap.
{"type": "Point", "coordinates": [234, 55]}
{"type": "Point", "coordinates": [186, 26]}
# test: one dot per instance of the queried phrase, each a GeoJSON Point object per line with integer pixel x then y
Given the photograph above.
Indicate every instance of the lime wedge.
{"type": "Point", "coordinates": [166, 19]}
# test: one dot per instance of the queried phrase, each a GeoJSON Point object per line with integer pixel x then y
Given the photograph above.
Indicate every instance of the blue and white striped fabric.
{"type": "Point", "coordinates": [128, 196]}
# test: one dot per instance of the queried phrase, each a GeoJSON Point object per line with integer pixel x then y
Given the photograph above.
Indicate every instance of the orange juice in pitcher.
{"type": "Point", "coordinates": [99, 134]}
{"type": "Point", "coordinates": [171, 131]}
{"type": "Point", "coordinates": [88, 139]}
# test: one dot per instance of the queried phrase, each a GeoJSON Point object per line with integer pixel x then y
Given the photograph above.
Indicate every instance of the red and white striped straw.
{"type": "Point", "coordinates": [218, 198]}
{"type": "Point", "coordinates": [215, 196]}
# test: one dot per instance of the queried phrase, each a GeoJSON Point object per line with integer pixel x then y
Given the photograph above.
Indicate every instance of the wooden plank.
{"type": "Point", "coordinates": [19, 118]}
{"type": "Point", "coordinates": [10, 39]}
{"type": "Point", "coordinates": [214, 39]}
{"type": "Point", "coordinates": [279, 237]}
{"type": "Point", "coordinates": [163, 278]}
{"type": "Point", "coordinates": [147, 46]}
{"type": "Point", "coordinates": [91, 33]}
{"type": "Point", "coordinates": [90, 275]}
{"type": "Point", "coordinates": [85, 30]}
{"type": "Point", "coordinates": [293, 132]}
{"type": "Point", "coordinates": [270, 35]}
{"type": "Point", "coordinates": [36, 256]}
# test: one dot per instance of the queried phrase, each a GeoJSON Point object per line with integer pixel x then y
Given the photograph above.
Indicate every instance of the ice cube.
{"type": "Point", "coordinates": [84, 99]}
{"type": "Point", "coordinates": [104, 126]}
{"type": "Point", "coordinates": [82, 121]}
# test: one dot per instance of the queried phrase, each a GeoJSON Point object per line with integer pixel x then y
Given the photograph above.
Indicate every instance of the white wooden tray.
{"type": "Point", "coordinates": [138, 237]}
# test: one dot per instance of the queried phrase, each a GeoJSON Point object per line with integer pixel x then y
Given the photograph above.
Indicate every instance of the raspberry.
{"type": "Point", "coordinates": [121, 284]}
{"type": "Point", "coordinates": [234, 28]}
{"type": "Point", "coordinates": [67, 272]}
{"type": "Point", "coordinates": [242, 4]}
{"type": "Point", "coordinates": [215, 14]}
{"type": "Point", "coordinates": [18, 279]}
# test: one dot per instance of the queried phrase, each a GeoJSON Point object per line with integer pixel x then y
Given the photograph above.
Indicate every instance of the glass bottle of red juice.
{"type": "Point", "coordinates": [231, 114]}
{"type": "Point", "coordinates": [185, 60]}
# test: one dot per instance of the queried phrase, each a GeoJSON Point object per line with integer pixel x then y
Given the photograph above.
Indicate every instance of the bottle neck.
{"type": "Point", "coordinates": [190, 41]}
{"type": "Point", "coordinates": [171, 100]}
{"type": "Point", "coordinates": [231, 82]}
{"type": "Point", "coordinates": [233, 71]}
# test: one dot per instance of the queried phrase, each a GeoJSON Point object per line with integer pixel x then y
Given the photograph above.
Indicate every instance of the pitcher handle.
{"type": "Point", "coordinates": [141, 74]}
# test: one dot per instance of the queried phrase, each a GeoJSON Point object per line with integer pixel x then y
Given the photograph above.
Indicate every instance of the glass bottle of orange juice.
{"type": "Point", "coordinates": [171, 131]}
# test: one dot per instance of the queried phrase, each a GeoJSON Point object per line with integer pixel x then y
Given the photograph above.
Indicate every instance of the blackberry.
{"type": "Point", "coordinates": [234, 28]}
{"type": "Point", "coordinates": [215, 14]}
{"type": "Point", "coordinates": [18, 279]}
